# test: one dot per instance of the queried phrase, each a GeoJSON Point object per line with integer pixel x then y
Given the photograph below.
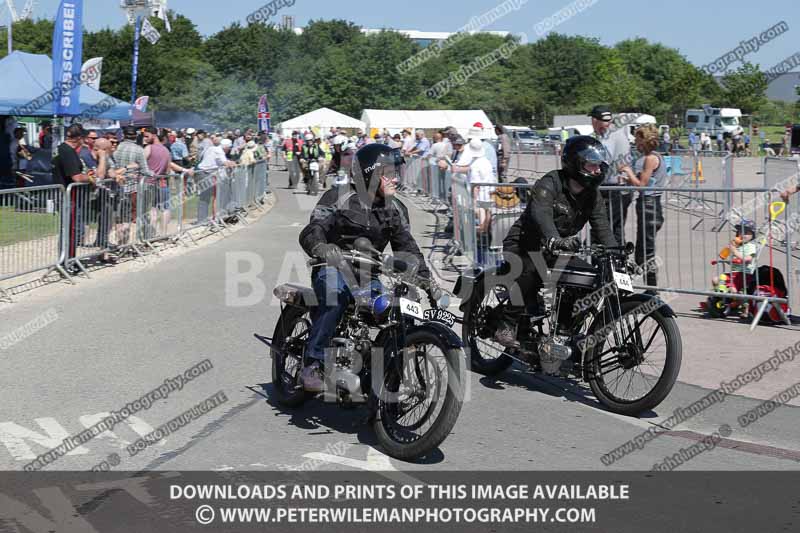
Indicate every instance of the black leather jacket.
{"type": "Point", "coordinates": [554, 212]}
{"type": "Point", "coordinates": [340, 218]}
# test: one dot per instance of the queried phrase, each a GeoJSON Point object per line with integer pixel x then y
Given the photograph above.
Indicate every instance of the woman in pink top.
{"type": "Point", "coordinates": [159, 161]}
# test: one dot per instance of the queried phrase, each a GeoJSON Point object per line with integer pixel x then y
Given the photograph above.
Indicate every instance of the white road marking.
{"type": "Point", "coordinates": [17, 439]}
{"type": "Point", "coordinates": [15, 436]}
{"type": "Point", "coordinates": [376, 461]}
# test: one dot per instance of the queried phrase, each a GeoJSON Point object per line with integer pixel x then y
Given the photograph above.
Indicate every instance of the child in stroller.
{"type": "Point", "coordinates": [745, 278]}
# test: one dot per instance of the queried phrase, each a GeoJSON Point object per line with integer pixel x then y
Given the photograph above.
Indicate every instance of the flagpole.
{"type": "Point", "coordinates": [136, 34]}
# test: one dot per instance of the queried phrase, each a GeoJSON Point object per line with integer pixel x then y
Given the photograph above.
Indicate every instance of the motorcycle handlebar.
{"type": "Point", "coordinates": [388, 264]}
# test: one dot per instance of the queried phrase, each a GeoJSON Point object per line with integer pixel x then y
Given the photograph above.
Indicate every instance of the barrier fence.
{"type": "Point", "coordinates": [31, 230]}
{"type": "Point", "coordinates": [47, 228]}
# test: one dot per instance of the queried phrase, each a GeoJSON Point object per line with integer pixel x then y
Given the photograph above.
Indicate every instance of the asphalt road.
{"type": "Point", "coordinates": [112, 340]}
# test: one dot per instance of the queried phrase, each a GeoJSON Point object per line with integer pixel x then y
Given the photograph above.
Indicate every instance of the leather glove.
{"type": "Point", "coordinates": [331, 253]}
{"type": "Point", "coordinates": [432, 289]}
{"type": "Point", "coordinates": [568, 244]}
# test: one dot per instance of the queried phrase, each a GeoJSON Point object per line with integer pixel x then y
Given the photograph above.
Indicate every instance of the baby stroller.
{"type": "Point", "coordinates": [765, 281]}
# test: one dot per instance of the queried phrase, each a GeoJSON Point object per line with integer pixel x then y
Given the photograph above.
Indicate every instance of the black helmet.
{"type": "Point", "coordinates": [581, 150]}
{"type": "Point", "coordinates": [376, 159]}
{"type": "Point", "coordinates": [744, 227]}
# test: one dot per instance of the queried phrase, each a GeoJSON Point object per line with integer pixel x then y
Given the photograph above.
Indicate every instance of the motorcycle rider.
{"type": "Point", "coordinates": [561, 204]}
{"type": "Point", "coordinates": [338, 143]}
{"type": "Point", "coordinates": [310, 152]}
{"type": "Point", "coordinates": [365, 208]}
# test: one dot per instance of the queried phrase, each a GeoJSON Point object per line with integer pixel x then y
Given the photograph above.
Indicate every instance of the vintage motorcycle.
{"type": "Point", "coordinates": [615, 337]}
{"type": "Point", "coordinates": [314, 179]}
{"type": "Point", "coordinates": [404, 363]}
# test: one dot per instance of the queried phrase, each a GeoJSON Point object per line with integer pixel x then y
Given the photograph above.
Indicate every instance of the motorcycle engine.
{"type": "Point", "coordinates": [351, 357]}
{"type": "Point", "coordinates": [553, 352]}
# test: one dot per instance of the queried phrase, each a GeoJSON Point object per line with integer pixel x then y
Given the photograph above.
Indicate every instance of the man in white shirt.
{"type": "Point", "coordinates": [441, 148]}
{"type": "Point", "coordinates": [476, 165]}
{"type": "Point", "coordinates": [213, 158]}
{"type": "Point", "coordinates": [619, 171]}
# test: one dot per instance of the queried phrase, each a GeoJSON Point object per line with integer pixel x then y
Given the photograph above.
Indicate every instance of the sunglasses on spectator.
{"type": "Point", "coordinates": [92, 138]}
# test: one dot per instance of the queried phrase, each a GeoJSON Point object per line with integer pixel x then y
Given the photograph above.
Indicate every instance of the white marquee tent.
{"type": "Point", "coordinates": [322, 118]}
{"type": "Point", "coordinates": [396, 120]}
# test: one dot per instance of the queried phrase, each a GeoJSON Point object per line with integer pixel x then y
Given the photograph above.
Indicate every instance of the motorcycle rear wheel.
{"type": "Point", "coordinates": [292, 330]}
{"type": "Point", "coordinates": [486, 356]}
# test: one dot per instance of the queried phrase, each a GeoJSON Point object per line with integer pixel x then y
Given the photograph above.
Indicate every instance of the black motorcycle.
{"type": "Point", "coordinates": [404, 363]}
{"type": "Point", "coordinates": [626, 345]}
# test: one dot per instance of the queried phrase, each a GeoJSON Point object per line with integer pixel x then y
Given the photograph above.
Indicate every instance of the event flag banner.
{"type": "Point", "coordinates": [162, 14]}
{"type": "Point", "coordinates": [149, 32]}
{"type": "Point", "coordinates": [95, 63]}
{"type": "Point", "coordinates": [263, 114]}
{"type": "Point", "coordinates": [135, 69]}
{"type": "Point", "coordinates": [141, 103]}
{"type": "Point", "coordinates": [67, 57]}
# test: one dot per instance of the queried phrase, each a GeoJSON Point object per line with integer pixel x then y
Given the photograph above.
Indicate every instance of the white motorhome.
{"type": "Point", "coordinates": [714, 120]}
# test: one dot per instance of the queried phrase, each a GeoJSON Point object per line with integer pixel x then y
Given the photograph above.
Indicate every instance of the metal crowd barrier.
{"type": "Point", "coordinates": [86, 222]}
{"type": "Point", "coordinates": [49, 227]}
{"type": "Point", "coordinates": [159, 209]}
{"type": "Point", "coordinates": [413, 173]}
{"type": "Point", "coordinates": [780, 172]}
{"type": "Point", "coordinates": [31, 231]}
{"type": "Point", "coordinates": [261, 178]}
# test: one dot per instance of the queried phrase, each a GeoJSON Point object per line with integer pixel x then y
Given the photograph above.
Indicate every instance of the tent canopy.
{"type": "Point", "coordinates": [27, 77]}
{"type": "Point", "coordinates": [322, 118]}
{"type": "Point", "coordinates": [396, 120]}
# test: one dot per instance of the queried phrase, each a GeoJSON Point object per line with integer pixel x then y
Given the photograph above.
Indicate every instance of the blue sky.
{"type": "Point", "coordinates": [701, 30]}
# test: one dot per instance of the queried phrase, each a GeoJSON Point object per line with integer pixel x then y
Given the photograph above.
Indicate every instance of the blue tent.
{"type": "Point", "coordinates": [27, 77]}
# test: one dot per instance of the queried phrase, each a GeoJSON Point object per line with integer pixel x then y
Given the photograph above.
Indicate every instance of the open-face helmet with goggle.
{"type": "Point", "coordinates": [585, 160]}
{"type": "Point", "coordinates": [376, 160]}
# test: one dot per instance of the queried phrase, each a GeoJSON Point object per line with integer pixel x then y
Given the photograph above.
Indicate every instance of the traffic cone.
{"type": "Point", "coordinates": [694, 172]}
{"type": "Point", "coordinates": [700, 178]}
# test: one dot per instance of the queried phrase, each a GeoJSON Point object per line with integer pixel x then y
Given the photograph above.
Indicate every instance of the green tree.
{"type": "Point", "coordinates": [34, 37]}
{"type": "Point", "coordinates": [745, 88]}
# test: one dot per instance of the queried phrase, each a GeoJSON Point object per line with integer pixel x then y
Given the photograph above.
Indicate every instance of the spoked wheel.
{"type": "Point", "coordinates": [289, 339]}
{"type": "Point", "coordinates": [635, 361]}
{"type": "Point", "coordinates": [419, 405]}
{"type": "Point", "coordinates": [717, 307]}
{"type": "Point", "coordinates": [478, 329]}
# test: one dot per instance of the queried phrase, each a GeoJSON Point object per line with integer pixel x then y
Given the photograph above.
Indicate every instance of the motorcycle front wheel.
{"type": "Point", "coordinates": [633, 363]}
{"type": "Point", "coordinates": [419, 402]}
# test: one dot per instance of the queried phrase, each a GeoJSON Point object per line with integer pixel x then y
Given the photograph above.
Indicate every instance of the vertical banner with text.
{"type": "Point", "coordinates": [136, 34]}
{"type": "Point", "coordinates": [263, 114]}
{"type": "Point", "coordinates": [67, 57]}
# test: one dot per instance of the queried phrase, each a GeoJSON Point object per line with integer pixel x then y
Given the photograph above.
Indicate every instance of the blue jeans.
{"type": "Point", "coordinates": [333, 296]}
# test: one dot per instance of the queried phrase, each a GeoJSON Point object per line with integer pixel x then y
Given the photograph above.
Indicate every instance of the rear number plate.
{"type": "Point", "coordinates": [440, 315]}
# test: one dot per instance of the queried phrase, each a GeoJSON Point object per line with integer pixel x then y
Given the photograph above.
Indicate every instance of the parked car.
{"type": "Point", "coordinates": [524, 139]}
{"type": "Point", "coordinates": [527, 141]}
